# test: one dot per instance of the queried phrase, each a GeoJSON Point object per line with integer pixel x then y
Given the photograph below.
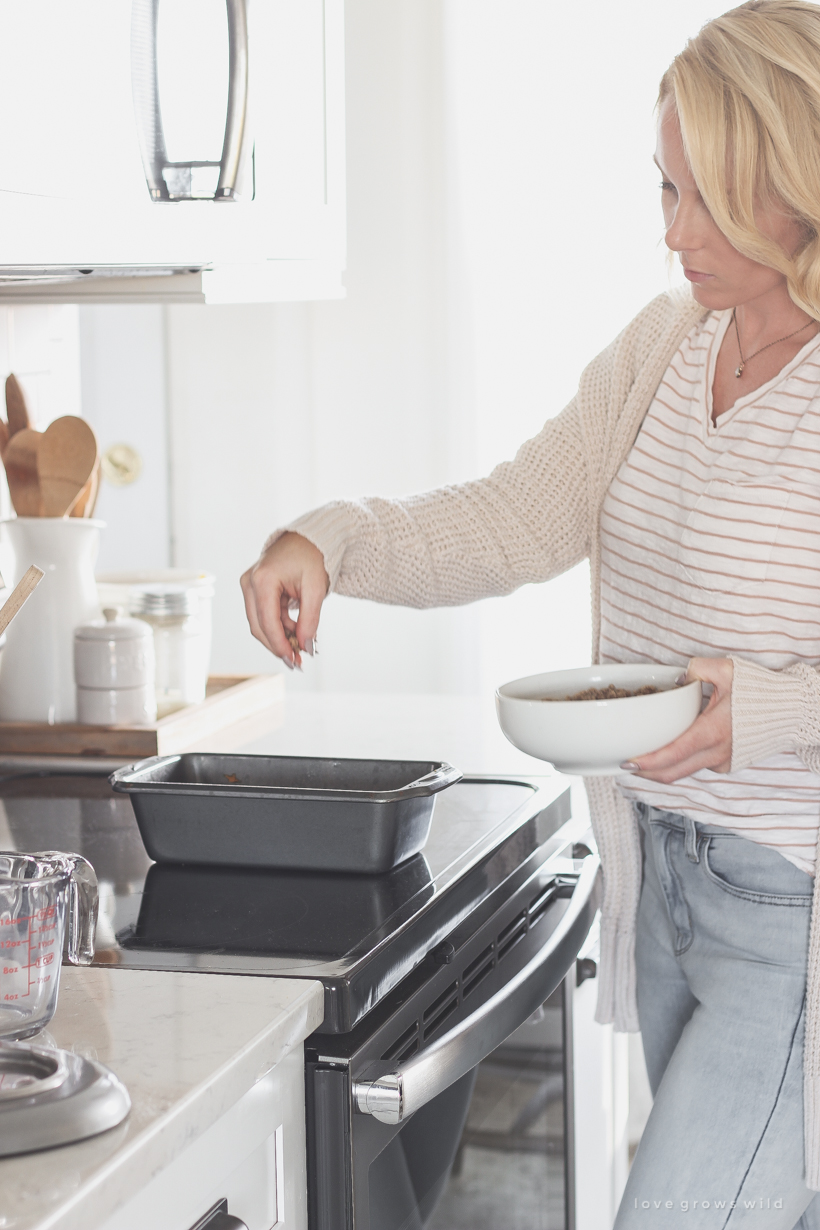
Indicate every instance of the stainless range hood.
{"type": "Point", "coordinates": [273, 281]}
{"type": "Point", "coordinates": [112, 284]}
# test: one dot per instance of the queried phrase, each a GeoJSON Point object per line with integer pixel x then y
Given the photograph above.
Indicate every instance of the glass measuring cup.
{"type": "Point", "coordinates": [48, 905]}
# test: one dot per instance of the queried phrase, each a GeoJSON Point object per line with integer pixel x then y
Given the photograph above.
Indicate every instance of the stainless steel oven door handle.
{"type": "Point", "coordinates": [391, 1098]}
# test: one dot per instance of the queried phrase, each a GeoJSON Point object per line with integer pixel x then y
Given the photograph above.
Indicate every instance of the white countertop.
{"type": "Point", "coordinates": [186, 1046]}
{"type": "Point", "coordinates": [417, 726]}
{"type": "Point", "coordinates": [462, 730]}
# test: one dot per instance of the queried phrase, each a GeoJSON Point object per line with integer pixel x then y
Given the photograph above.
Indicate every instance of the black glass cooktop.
{"type": "Point", "coordinates": [359, 934]}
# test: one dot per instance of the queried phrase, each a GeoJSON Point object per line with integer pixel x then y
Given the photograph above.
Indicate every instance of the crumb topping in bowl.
{"type": "Point", "coordinates": [608, 693]}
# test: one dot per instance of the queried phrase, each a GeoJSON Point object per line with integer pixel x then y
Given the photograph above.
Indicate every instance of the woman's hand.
{"type": "Point", "coordinates": [707, 744]}
{"type": "Point", "coordinates": [290, 573]}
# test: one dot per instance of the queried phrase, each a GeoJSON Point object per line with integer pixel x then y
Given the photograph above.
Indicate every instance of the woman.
{"type": "Point", "coordinates": [687, 469]}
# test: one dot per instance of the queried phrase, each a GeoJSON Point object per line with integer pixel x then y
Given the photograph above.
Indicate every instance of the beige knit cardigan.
{"type": "Point", "coordinates": [531, 519]}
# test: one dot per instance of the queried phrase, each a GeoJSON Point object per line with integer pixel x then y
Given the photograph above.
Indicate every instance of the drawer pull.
{"type": "Point", "coordinates": [218, 1218]}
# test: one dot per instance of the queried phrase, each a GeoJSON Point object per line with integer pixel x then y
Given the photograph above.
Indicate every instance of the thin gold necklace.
{"type": "Point", "coordinates": [743, 362]}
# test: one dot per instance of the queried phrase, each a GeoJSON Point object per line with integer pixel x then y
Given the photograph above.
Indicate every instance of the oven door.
{"type": "Point", "coordinates": [384, 1138]}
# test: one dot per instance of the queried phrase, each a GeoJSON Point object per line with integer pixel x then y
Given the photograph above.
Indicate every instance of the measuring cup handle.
{"type": "Point", "coordinates": [83, 905]}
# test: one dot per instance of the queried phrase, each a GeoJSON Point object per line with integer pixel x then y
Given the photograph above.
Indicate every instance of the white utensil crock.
{"type": "Point", "coordinates": [37, 665]}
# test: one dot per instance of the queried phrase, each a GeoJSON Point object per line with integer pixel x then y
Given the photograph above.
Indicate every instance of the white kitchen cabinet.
{"type": "Point", "coordinates": [79, 217]}
{"type": "Point", "coordinates": [601, 1109]}
{"type": "Point", "coordinates": [253, 1156]}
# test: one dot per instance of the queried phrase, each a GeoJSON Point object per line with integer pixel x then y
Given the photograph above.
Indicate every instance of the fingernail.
{"type": "Point", "coordinates": [310, 645]}
{"type": "Point", "coordinates": [316, 646]}
{"type": "Point", "coordinates": [630, 766]}
{"type": "Point", "coordinates": [681, 679]}
{"type": "Point", "coordinates": [288, 663]}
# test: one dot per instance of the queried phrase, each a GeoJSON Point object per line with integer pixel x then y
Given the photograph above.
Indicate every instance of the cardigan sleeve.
{"type": "Point", "coordinates": [531, 518]}
{"type": "Point", "coordinates": [775, 711]}
{"type": "Point", "coordinates": [527, 521]}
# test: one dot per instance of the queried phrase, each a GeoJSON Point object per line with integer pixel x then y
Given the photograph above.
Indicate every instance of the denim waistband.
{"type": "Point", "coordinates": [647, 813]}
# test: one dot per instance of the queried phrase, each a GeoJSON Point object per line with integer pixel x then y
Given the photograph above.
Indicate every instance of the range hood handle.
{"type": "Point", "coordinates": [395, 1096]}
{"type": "Point", "coordinates": [148, 112]}
{"type": "Point", "coordinates": [145, 93]}
{"type": "Point", "coordinates": [237, 100]}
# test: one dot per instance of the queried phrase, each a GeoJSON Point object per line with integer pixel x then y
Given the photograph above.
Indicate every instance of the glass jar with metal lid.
{"type": "Point", "coordinates": [181, 642]}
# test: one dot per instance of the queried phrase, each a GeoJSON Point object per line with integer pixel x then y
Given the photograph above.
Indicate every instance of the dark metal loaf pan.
{"type": "Point", "coordinates": [283, 811]}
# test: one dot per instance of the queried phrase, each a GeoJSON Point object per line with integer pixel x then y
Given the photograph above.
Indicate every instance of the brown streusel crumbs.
{"type": "Point", "coordinates": [607, 693]}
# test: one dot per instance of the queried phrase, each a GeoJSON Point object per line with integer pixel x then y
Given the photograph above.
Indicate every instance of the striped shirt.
{"type": "Point", "coordinates": [710, 548]}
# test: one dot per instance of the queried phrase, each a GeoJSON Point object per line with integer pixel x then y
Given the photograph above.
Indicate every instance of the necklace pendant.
{"type": "Point", "coordinates": [739, 370]}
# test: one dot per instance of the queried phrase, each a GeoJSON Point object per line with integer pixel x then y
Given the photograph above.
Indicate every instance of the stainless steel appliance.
{"type": "Point", "coordinates": [441, 1079]}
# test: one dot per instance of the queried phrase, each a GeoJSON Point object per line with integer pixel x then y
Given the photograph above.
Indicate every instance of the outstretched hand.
{"type": "Point", "coordinates": [289, 574]}
{"type": "Point", "coordinates": [707, 744]}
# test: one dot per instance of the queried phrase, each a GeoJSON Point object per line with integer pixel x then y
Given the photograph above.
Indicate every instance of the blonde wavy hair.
{"type": "Point", "coordinates": [747, 93]}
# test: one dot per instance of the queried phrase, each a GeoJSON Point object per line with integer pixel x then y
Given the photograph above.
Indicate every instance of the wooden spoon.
{"type": "Point", "coordinates": [20, 460]}
{"type": "Point", "coordinates": [84, 504]}
{"type": "Point", "coordinates": [16, 409]}
{"type": "Point", "coordinates": [21, 592]}
{"type": "Point", "coordinates": [66, 458]}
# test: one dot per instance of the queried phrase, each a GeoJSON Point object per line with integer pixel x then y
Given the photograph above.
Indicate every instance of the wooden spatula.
{"type": "Point", "coordinates": [16, 409]}
{"type": "Point", "coordinates": [20, 460]}
{"type": "Point", "coordinates": [21, 592]}
{"type": "Point", "coordinates": [66, 459]}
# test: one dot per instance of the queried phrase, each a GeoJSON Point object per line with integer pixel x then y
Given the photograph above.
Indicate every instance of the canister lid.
{"type": "Point", "coordinates": [113, 627]}
{"type": "Point", "coordinates": [164, 600]}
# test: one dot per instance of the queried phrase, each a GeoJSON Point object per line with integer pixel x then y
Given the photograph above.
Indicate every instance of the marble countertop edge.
{"type": "Point", "coordinates": [156, 1146]}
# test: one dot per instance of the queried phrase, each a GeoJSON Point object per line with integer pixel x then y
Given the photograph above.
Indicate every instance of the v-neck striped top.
{"type": "Point", "coordinates": [710, 547]}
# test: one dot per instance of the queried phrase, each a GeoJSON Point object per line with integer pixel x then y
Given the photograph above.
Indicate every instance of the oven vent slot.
{"type": "Point", "coordinates": [437, 1003]}
{"type": "Point", "coordinates": [410, 1050]}
{"type": "Point", "coordinates": [512, 933]}
{"type": "Point", "coordinates": [479, 961]}
{"type": "Point", "coordinates": [409, 1035]}
{"type": "Point", "coordinates": [477, 971]}
{"type": "Point", "coordinates": [517, 922]}
{"type": "Point", "coordinates": [441, 1018]}
{"type": "Point", "coordinates": [540, 904]}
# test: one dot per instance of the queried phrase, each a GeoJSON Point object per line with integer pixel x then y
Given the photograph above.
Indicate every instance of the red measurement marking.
{"type": "Point", "coordinates": [38, 940]}
{"type": "Point", "coordinates": [15, 922]}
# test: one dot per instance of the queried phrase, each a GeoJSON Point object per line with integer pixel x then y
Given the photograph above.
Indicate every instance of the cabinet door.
{"type": "Point", "coordinates": [253, 1156]}
{"type": "Point", "coordinates": [75, 181]}
{"type": "Point", "coordinates": [601, 1104]}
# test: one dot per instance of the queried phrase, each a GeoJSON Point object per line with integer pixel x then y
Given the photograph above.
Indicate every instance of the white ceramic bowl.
{"type": "Point", "coordinates": [594, 737]}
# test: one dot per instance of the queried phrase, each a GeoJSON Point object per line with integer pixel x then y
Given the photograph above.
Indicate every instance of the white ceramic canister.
{"type": "Point", "coordinates": [177, 602]}
{"type": "Point", "coordinates": [37, 667]}
{"type": "Point", "coordinates": [114, 671]}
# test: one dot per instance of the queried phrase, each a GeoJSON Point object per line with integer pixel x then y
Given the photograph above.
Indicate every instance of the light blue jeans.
{"type": "Point", "coordinates": [723, 933]}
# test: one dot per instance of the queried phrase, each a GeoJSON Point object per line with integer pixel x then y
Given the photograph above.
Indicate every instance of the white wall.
{"type": "Point", "coordinates": [122, 352]}
{"type": "Point", "coordinates": [504, 224]}
{"type": "Point", "coordinates": [338, 398]}
{"type": "Point", "coordinates": [40, 344]}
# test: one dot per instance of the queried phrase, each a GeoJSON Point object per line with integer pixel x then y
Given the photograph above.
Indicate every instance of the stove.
{"type": "Point", "coordinates": [426, 969]}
